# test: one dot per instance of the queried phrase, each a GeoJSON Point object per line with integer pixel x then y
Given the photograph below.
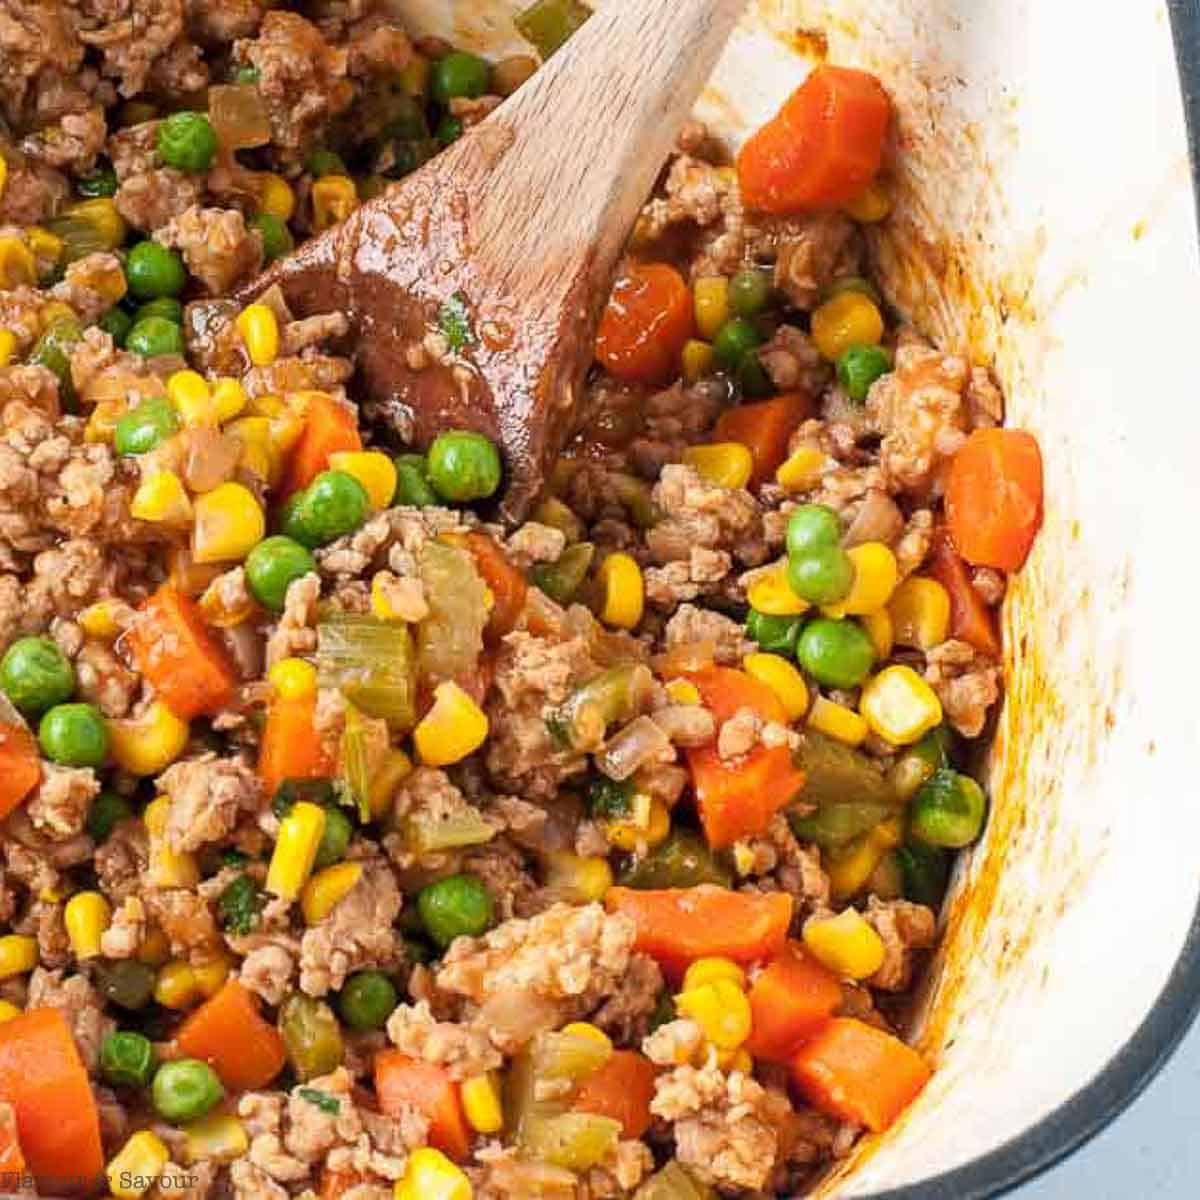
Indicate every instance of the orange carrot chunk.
{"type": "Point", "coordinates": [823, 146]}
{"type": "Point", "coordinates": [621, 1089]}
{"type": "Point", "coordinates": [971, 620]}
{"type": "Point", "coordinates": [676, 926]}
{"type": "Point", "coordinates": [229, 1033]}
{"type": "Point", "coordinates": [507, 584]}
{"type": "Point", "coordinates": [994, 497]}
{"type": "Point", "coordinates": [45, 1081]}
{"type": "Point", "coordinates": [859, 1073]}
{"type": "Point", "coordinates": [176, 651]}
{"type": "Point", "coordinates": [291, 747]}
{"type": "Point", "coordinates": [764, 429]}
{"type": "Point", "coordinates": [20, 766]}
{"type": "Point", "coordinates": [790, 998]}
{"type": "Point", "coordinates": [401, 1081]}
{"type": "Point", "coordinates": [644, 325]}
{"type": "Point", "coordinates": [328, 428]}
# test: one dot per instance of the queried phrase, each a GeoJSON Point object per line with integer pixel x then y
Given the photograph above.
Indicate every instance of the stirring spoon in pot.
{"type": "Point", "coordinates": [517, 226]}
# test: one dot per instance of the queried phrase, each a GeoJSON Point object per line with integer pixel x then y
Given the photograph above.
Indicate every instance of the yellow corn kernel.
{"type": "Point", "coordinates": [576, 878]}
{"type": "Point", "coordinates": [395, 767]}
{"type": "Point", "coordinates": [163, 499]}
{"type": "Point", "coordinates": [229, 524]}
{"type": "Point", "coordinates": [920, 611]}
{"type": "Point", "coordinates": [86, 916]}
{"type": "Point", "coordinates": [453, 728]}
{"type": "Point", "coordinates": [167, 868]}
{"type": "Point", "coordinates": [899, 705]}
{"type": "Point", "coordinates": [648, 826]}
{"type": "Point", "coordinates": [782, 678]}
{"type": "Point", "coordinates": [850, 866]}
{"type": "Point", "coordinates": [593, 1033]}
{"type": "Point", "coordinates": [260, 332]}
{"type": "Point", "coordinates": [873, 204]}
{"type": "Point", "coordinates": [259, 454]}
{"type": "Point", "coordinates": [333, 200]}
{"type": "Point", "coordinates": [275, 196]}
{"type": "Point", "coordinates": [802, 470]}
{"type": "Point", "coordinates": [17, 267]}
{"type": "Point", "coordinates": [132, 1172]}
{"type": "Point", "coordinates": [481, 1103]}
{"type": "Point", "coordinates": [99, 620]}
{"type": "Point", "coordinates": [710, 297]}
{"type": "Point", "coordinates": [149, 742]}
{"type": "Point", "coordinates": [381, 605]}
{"type": "Point", "coordinates": [683, 691]}
{"type": "Point", "coordinates": [155, 948]}
{"type": "Point", "coordinates": [696, 360]}
{"type": "Point", "coordinates": [211, 975]}
{"type": "Point", "coordinates": [296, 845]}
{"type": "Point", "coordinates": [193, 399]}
{"type": "Point", "coordinates": [217, 1137]}
{"type": "Point", "coordinates": [175, 986]}
{"type": "Point", "coordinates": [293, 678]}
{"type": "Point", "coordinates": [104, 277]}
{"type": "Point", "coordinates": [724, 464]}
{"type": "Point", "coordinates": [373, 469]}
{"type": "Point", "coordinates": [845, 944]}
{"type": "Point", "coordinates": [3, 174]}
{"type": "Point", "coordinates": [102, 422]}
{"type": "Point", "coordinates": [229, 398]}
{"type": "Point", "coordinates": [708, 970]}
{"type": "Point", "coordinates": [18, 954]}
{"type": "Point", "coordinates": [623, 591]}
{"type": "Point", "coordinates": [102, 215]}
{"type": "Point", "coordinates": [735, 1060]}
{"type": "Point", "coordinates": [837, 721]}
{"type": "Point", "coordinates": [879, 629]}
{"type": "Point", "coordinates": [875, 578]}
{"type": "Point", "coordinates": [323, 891]}
{"type": "Point", "coordinates": [8, 1011]}
{"type": "Point", "coordinates": [771, 593]}
{"type": "Point", "coordinates": [430, 1175]}
{"type": "Point", "coordinates": [845, 320]}
{"type": "Point", "coordinates": [47, 247]}
{"type": "Point", "coordinates": [721, 1010]}
{"type": "Point", "coordinates": [8, 346]}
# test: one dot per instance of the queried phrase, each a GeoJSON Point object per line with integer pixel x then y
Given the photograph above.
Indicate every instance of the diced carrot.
{"type": "Point", "coordinates": [20, 766]}
{"type": "Point", "coordinates": [726, 690]}
{"type": "Point", "coordinates": [676, 926]}
{"type": "Point", "coordinates": [176, 651]}
{"type": "Point", "coordinates": [646, 322]}
{"type": "Point", "coordinates": [229, 1033]}
{"type": "Point", "coordinates": [621, 1089]}
{"type": "Point", "coordinates": [335, 1184]}
{"type": "Point", "coordinates": [401, 1081]}
{"type": "Point", "coordinates": [507, 584]}
{"type": "Point", "coordinates": [764, 429]}
{"type": "Point", "coordinates": [789, 999]}
{"type": "Point", "coordinates": [45, 1081]}
{"type": "Point", "coordinates": [823, 146]}
{"type": "Point", "coordinates": [971, 620]}
{"type": "Point", "coordinates": [290, 747]}
{"type": "Point", "coordinates": [328, 428]}
{"type": "Point", "coordinates": [12, 1161]}
{"type": "Point", "coordinates": [994, 497]}
{"type": "Point", "coordinates": [853, 1071]}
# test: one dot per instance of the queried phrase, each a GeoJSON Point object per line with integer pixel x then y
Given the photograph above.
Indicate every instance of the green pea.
{"type": "Point", "coordinates": [165, 306]}
{"type": "Point", "coordinates": [835, 653]}
{"type": "Point", "coordinates": [324, 162]}
{"type": "Point", "coordinates": [775, 635]}
{"type": "Point", "coordinates": [402, 156]}
{"type": "Point", "coordinates": [107, 812]}
{"type": "Point", "coordinates": [117, 324]}
{"type": "Point", "coordinates": [127, 1059]}
{"type": "Point", "coordinates": [126, 982]}
{"type": "Point", "coordinates": [821, 576]}
{"type": "Point", "coordinates": [449, 130]}
{"type": "Point", "coordinates": [458, 74]}
{"type": "Point", "coordinates": [185, 1089]}
{"type": "Point", "coordinates": [335, 839]}
{"type": "Point", "coordinates": [734, 340]}
{"type": "Point", "coordinates": [812, 527]}
{"type": "Point", "coordinates": [276, 237]}
{"type": "Point", "coordinates": [335, 503]}
{"type": "Point", "coordinates": [948, 811]}
{"type": "Point", "coordinates": [412, 482]}
{"type": "Point", "coordinates": [152, 271]}
{"type": "Point", "coordinates": [311, 1036]}
{"type": "Point", "coordinates": [925, 871]}
{"type": "Point", "coordinates": [75, 735]}
{"type": "Point", "coordinates": [152, 336]}
{"type": "Point", "coordinates": [859, 367]}
{"type": "Point", "coordinates": [273, 565]}
{"type": "Point", "coordinates": [35, 674]}
{"type": "Point", "coordinates": [463, 466]}
{"type": "Point", "coordinates": [457, 906]}
{"type": "Point", "coordinates": [247, 75]}
{"type": "Point", "coordinates": [752, 377]}
{"type": "Point", "coordinates": [187, 141]}
{"type": "Point", "coordinates": [100, 183]}
{"type": "Point", "coordinates": [147, 426]}
{"type": "Point", "coordinates": [750, 292]}
{"type": "Point", "coordinates": [367, 1000]}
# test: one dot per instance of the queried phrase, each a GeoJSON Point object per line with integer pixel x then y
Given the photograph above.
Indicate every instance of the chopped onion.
{"type": "Point", "coordinates": [641, 742]}
{"type": "Point", "coordinates": [239, 116]}
{"type": "Point", "coordinates": [684, 658]}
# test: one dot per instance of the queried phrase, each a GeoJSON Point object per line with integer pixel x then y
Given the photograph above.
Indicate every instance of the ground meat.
{"type": "Point", "coordinates": [296, 634]}
{"type": "Point", "coordinates": [967, 683]}
{"type": "Point", "coordinates": [216, 245]}
{"type": "Point", "coordinates": [151, 199]}
{"type": "Point", "coordinates": [428, 795]}
{"type": "Point", "coordinates": [683, 725]}
{"type": "Point", "coordinates": [123, 937]}
{"type": "Point", "coordinates": [312, 1130]}
{"type": "Point", "coordinates": [674, 1043]}
{"type": "Point", "coordinates": [985, 404]}
{"type": "Point", "coordinates": [794, 363]}
{"type": "Point", "coordinates": [790, 867]}
{"type": "Point", "coordinates": [60, 805]}
{"type": "Point", "coordinates": [463, 1048]}
{"type": "Point", "coordinates": [296, 336]}
{"type": "Point", "coordinates": [809, 250]}
{"type": "Point", "coordinates": [220, 23]}
{"type": "Point", "coordinates": [534, 543]}
{"type": "Point", "coordinates": [675, 418]}
{"type": "Point", "coordinates": [689, 625]}
{"type": "Point", "coordinates": [698, 198]}
{"type": "Point", "coordinates": [104, 680]}
{"type": "Point", "coordinates": [268, 971]}
{"type": "Point", "coordinates": [990, 585]}
{"type": "Point", "coordinates": [251, 1182]}
{"type": "Point", "coordinates": [130, 37]}
{"type": "Point", "coordinates": [121, 858]}
{"type": "Point", "coordinates": [358, 933]}
{"type": "Point", "coordinates": [625, 1015]}
{"type": "Point", "coordinates": [903, 928]}
{"type": "Point", "coordinates": [502, 868]}
{"type": "Point", "coordinates": [913, 544]}
{"type": "Point", "coordinates": [80, 1003]}
{"type": "Point", "coordinates": [208, 796]}
{"type": "Point", "coordinates": [739, 734]}
{"type": "Point", "coordinates": [403, 594]}
{"type": "Point", "coordinates": [36, 42]}
{"type": "Point", "coordinates": [307, 372]}
{"type": "Point", "coordinates": [32, 192]}
{"type": "Point", "coordinates": [71, 143]}
{"type": "Point", "coordinates": [186, 920]}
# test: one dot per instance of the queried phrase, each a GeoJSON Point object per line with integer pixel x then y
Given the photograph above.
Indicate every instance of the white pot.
{"type": "Point", "coordinates": [1046, 226]}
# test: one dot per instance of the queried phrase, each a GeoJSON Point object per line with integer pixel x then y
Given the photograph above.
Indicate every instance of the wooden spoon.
{"type": "Point", "coordinates": [520, 223]}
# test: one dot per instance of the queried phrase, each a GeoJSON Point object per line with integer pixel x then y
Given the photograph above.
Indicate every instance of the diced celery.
{"type": "Point", "coordinates": [615, 695]}
{"type": "Point", "coordinates": [682, 860]}
{"type": "Point", "coordinates": [835, 773]}
{"type": "Point", "coordinates": [538, 1084]}
{"type": "Point", "coordinates": [562, 579]}
{"type": "Point", "coordinates": [574, 1140]}
{"type": "Point", "coordinates": [673, 1183]}
{"type": "Point", "coordinates": [371, 662]}
{"type": "Point", "coordinates": [450, 638]}
{"type": "Point", "coordinates": [426, 832]}
{"type": "Point", "coordinates": [363, 748]}
{"type": "Point", "coordinates": [836, 824]}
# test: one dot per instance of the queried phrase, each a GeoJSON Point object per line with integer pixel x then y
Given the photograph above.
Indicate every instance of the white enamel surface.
{"type": "Point", "coordinates": [1046, 226]}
